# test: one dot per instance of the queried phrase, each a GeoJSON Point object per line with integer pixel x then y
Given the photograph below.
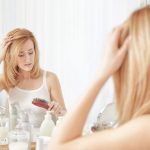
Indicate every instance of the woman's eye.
{"type": "Point", "coordinates": [20, 55]}
{"type": "Point", "coordinates": [30, 53]}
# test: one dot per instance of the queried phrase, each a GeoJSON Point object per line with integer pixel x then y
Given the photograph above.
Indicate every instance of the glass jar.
{"type": "Point", "coordinates": [18, 139]}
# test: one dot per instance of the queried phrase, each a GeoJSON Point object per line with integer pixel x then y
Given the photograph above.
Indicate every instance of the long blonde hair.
{"type": "Point", "coordinates": [132, 81]}
{"type": "Point", "coordinates": [11, 71]}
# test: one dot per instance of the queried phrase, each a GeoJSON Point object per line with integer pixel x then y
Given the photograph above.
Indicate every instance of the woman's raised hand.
{"type": "Point", "coordinates": [115, 53]}
{"type": "Point", "coordinates": [4, 46]}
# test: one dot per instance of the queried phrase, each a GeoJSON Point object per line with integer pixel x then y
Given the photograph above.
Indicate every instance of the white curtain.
{"type": "Point", "coordinates": [71, 36]}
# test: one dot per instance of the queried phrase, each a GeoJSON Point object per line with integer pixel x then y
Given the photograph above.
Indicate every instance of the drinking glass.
{"type": "Point", "coordinates": [18, 139]}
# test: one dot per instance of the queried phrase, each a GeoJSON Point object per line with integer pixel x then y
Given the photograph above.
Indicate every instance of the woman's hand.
{"type": "Point", "coordinates": [115, 53]}
{"type": "Point", "coordinates": [3, 47]}
{"type": "Point", "coordinates": [56, 109]}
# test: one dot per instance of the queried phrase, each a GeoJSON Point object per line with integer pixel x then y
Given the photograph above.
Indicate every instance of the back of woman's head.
{"type": "Point", "coordinates": [18, 37]}
{"type": "Point", "coordinates": [132, 81]}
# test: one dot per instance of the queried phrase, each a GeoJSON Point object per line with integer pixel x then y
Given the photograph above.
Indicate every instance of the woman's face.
{"type": "Point", "coordinates": [25, 59]}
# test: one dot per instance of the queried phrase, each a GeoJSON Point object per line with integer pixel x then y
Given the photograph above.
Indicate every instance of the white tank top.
{"type": "Point", "coordinates": [24, 99]}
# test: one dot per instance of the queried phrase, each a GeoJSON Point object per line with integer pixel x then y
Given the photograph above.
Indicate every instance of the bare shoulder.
{"type": "Point", "coordinates": [139, 121]}
{"type": "Point", "coordinates": [138, 125]}
{"type": "Point", "coordinates": [136, 133]}
{"type": "Point", "coordinates": [51, 77]}
{"type": "Point", "coordinates": [133, 135]}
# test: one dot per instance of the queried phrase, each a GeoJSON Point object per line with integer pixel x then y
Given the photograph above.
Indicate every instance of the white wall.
{"type": "Point", "coordinates": [71, 36]}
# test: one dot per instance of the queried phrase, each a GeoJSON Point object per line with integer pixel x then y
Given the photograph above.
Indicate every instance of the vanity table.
{"type": "Point", "coordinates": [5, 147]}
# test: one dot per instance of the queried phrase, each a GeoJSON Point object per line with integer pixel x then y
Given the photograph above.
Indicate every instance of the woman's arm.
{"type": "Point", "coordinates": [58, 105]}
{"type": "Point", "coordinates": [71, 128]}
{"type": "Point", "coordinates": [133, 135]}
{"type": "Point", "coordinates": [74, 121]}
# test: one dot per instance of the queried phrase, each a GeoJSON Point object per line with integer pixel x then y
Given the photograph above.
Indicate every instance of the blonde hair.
{"type": "Point", "coordinates": [11, 71]}
{"type": "Point", "coordinates": [132, 81]}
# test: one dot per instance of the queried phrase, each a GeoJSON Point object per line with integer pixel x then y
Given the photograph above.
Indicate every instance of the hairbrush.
{"type": "Point", "coordinates": [40, 102]}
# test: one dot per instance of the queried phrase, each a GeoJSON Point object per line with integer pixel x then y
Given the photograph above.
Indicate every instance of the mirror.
{"type": "Point", "coordinates": [71, 35]}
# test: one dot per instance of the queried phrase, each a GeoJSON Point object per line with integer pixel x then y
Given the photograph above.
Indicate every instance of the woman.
{"type": "Point", "coordinates": [24, 80]}
{"type": "Point", "coordinates": [128, 60]}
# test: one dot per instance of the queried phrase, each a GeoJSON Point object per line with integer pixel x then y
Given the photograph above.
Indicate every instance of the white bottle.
{"type": "Point", "coordinates": [58, 122]}
{"type": "Point", "coordinates": [47, 125]}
